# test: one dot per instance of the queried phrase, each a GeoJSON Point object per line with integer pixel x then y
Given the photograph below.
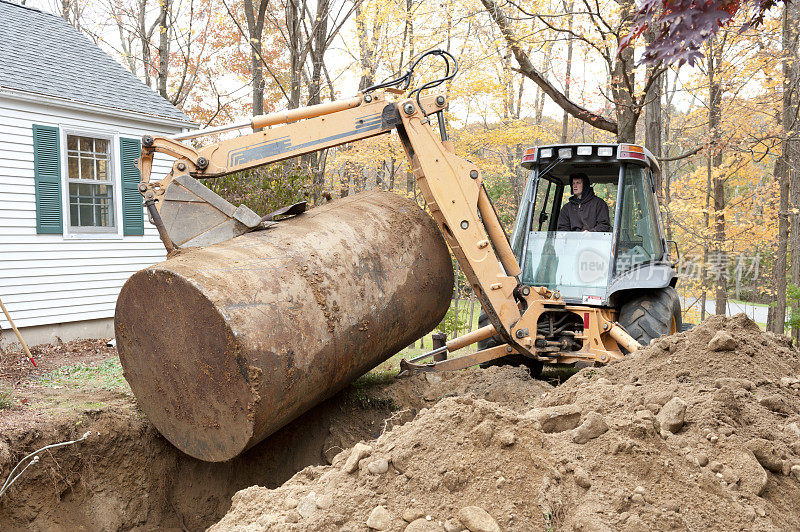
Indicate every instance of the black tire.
{"type": "Point", "coordinates": [534, 366]}
{"type": "Point", "coordinates": [646, 315]}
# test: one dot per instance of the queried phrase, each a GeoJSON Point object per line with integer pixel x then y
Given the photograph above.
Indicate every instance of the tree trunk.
{"type": "Point", "coordinates": [652, 121]}
{"type": "Point", "coordinates": [392, 173]}
{"type": "Point", "coordinates": [144, 36]}
{"type": "Point", "coordinates": [717, 180]}
{"type": "Point", "coordinates": [318, 48]}
{"type": "Point", "coordinates": [568, 79]}
{"type": "Point", "coordinates": [622, 83]}
{"type": "Point", "coordinates": [255, 29]}
{"type": "Point", "coordinates": [163, 47]}
{"type": "Point", "coordinates": [293, 28]}
{"type": "Point", "coordinates": [539, 105]}
{"type": "Point", "coordinates": [666, 171]}
{"type": "Point", "coordinates": [779, 266]}
{"type": "Point", "coordinates": [791, 139]}
{"type": "Point", "coordinates": [410, 28]}
{"type": "Point", "coordinates": [367, 46]}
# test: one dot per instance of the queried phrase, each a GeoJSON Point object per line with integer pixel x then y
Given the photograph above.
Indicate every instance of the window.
{"type": "Point", "coordinates": [639, 236]}
{"type": "Point", "coordinates": [76, 175]}
{"type": "Point", "coordinates": [546, 192]}
{"type": "Point", "coordinates": [90, 184]}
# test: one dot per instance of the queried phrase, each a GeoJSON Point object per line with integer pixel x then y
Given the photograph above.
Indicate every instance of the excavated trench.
{"type": "Point", "coordinates": [126, 476]}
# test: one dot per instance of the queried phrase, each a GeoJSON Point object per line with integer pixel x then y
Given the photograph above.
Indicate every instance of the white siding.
{"type": "Point", "coordinates": [48, 279]}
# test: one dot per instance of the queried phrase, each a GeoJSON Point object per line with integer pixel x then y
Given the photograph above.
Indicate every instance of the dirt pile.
{"type": "Point", "coordinates": [701, 427]}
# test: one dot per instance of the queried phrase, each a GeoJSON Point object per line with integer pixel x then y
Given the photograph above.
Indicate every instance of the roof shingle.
{"type": "Point", "coordinates": [42, 54]}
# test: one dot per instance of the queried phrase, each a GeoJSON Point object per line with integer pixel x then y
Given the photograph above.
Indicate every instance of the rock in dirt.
{"type": "Point", "coordinates": [422, 525]}
{"type": "Point", "coordinates": [412, 514]}
{"type": "Point", "coordinates": [476, 519]}
{"type": "Point", "coordinates": [582, 478]}
{"type": "Point", "coordinates": [702, 459]}
{"type": "Point", "coordinates": [379, 519]}
{"type": "Point", "coordinates": [722, 341]}
{"type": "Point", "coordinates": [379, 466]}
{"type": "Point", "coordinates": [358, 453]}
{"type": "Point", "coordinates": [734, 383]}
{"type": "Point", "coordinates": [753, 477]}
{"type": "Point", "coordinates": [433, 378]}
{"type": "Point", "coordinates": [766, 455]}
{"type": "Point", "coordinates": [506, 438]}
{"type": "Point", "coordinates": [593, 427]}
{"type": "Point", "coordinates": [557, 418]}
{"type": "Point", "coordinates": [5, 454]}
{"type": "Point", "coordinates": [291, 502]}
{"type": "Point", "coordinates": [484, 432]}
{"type": "Point", "coordinates": [635, 524]}
{"type": "Point", "coordinates": [776, 403]}
{"type": "Point", "coordinates": [324, 501]}
{"type": "Point", "coordinates": [453, 525]}
{"type": "Point", "coordinates": [672, 414]}
{"type": "Point", "coordinates": [307, 505]}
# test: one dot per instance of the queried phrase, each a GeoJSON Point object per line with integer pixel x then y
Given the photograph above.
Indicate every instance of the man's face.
{"type": "Point", "coordinates": [577, 186]}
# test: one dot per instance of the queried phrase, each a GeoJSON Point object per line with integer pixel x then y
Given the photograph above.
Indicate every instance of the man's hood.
{"type": "Point", "coordinates": [588, 193]}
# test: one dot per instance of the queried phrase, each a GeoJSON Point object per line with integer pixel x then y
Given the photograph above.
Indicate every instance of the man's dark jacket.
{"type": "Point", "coordinates": [589, 213]}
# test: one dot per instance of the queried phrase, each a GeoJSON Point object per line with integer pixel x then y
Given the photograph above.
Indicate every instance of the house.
{"type": "Point", "coordinates": [72, 225]}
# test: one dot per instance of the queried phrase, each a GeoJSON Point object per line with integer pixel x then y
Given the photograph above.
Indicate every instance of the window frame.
{"type": "Point", "coordinates": [114, 172]}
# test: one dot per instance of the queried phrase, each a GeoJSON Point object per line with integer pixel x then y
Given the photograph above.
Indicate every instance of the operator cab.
{"type": "Point", "coordinates": [592, 267]}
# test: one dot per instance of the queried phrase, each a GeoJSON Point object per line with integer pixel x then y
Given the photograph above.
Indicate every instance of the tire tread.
{"type": "Point", "coordinates": [649, 314]}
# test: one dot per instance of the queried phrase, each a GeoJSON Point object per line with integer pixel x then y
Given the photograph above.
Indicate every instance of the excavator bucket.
{"type": "Point", "coordinates": [195, 216]}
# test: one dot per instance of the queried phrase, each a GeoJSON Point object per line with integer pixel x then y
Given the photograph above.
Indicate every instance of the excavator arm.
{"type": "Point", "coordinates": [188, 214]}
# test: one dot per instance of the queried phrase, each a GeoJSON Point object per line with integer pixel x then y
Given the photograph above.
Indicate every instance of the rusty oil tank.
{"type": "Point", "coordinates": [224, 345]}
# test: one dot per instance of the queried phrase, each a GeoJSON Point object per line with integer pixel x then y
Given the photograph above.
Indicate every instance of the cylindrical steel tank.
{"type": "Point", "coordinates": [226, 344]}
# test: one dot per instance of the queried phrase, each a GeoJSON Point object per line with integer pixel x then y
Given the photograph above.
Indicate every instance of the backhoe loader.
{"type": "Point", "coordinates": [548, 296]}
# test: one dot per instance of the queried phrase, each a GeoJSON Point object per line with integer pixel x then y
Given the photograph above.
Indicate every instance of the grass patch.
{"type": "Point", "coordinates": [106, 375]}
{"type": "Point", "coordinates": [6, 398]}
{"type": "Point", "coordinates": [748, 303]}
{"type": "Point", "coordinates": [359, 389]}
{"type": "Point", "coordinates": [374, 378]}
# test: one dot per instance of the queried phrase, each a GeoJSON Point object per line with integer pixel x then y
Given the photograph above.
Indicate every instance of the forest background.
{"type": "Point", "coordinates": [532, 72]}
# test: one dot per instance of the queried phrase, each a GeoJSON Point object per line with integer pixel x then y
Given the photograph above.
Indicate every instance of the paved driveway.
{"type": "Point", "coordinates": [756, 313]}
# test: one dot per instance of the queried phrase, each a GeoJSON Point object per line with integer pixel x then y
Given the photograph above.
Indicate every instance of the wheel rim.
{"type": "Point", "coordinates": [673, 325]}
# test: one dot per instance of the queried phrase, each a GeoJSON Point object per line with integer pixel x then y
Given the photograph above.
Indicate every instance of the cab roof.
{"type": "Point", "coordinates": [597, 160]}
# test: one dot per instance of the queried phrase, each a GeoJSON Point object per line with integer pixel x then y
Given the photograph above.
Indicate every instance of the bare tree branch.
{"type": "Point", "coordinates": [528, 70]}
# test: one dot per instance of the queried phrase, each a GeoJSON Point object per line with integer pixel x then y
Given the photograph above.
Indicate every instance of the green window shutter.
{"type": "Point", "coordinates": [47, 178]}
{"type": "Point", "coordinates": [132, 212]}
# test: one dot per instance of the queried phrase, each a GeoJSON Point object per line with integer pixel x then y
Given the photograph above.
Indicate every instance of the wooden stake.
{"type": "Point", "coordinates": [16, 331]}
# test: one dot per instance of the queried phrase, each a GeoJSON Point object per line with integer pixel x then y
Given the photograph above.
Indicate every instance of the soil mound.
{"type": "Point", "coordinates": [698, 428]}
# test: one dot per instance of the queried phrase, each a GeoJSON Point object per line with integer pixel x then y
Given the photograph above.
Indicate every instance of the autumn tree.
{"type": "Point", "coordinates": [604, 28]}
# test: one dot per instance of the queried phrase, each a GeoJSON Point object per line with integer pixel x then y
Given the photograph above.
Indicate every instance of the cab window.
{"type": "Point", "coordinates": [639, 240]}
{"type": "Point", "coordinates": [548, 194]}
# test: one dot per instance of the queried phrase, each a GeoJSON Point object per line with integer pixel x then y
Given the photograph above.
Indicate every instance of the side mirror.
{"type": "Point", "coordinates": [673, 244]}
